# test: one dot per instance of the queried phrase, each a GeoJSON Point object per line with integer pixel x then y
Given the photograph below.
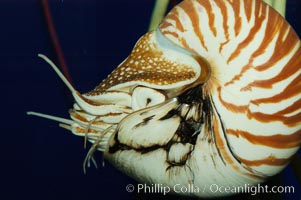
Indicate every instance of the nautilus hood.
{"type": "Point", "coordinates": [157, 63]}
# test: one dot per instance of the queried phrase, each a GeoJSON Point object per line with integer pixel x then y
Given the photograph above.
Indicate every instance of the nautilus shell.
{"type": "Point", "coordinates": [212, 96]}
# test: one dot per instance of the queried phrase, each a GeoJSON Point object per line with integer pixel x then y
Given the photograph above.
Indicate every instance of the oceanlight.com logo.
{"type": "Point", "coordinates": [213, 188]}
{"type": "Point", "coordinates": [251, 189]}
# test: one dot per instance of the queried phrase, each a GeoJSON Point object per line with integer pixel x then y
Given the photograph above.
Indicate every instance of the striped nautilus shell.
{"type": "Point", "coordinates": [212, 96]}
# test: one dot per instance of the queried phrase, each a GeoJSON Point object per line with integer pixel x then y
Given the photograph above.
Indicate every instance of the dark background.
{"type": "Point", "coordinates": [39, 160]}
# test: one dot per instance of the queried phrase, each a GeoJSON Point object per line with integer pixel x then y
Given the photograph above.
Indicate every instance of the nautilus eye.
{"type": "Point", "coordinates": [212, 96]}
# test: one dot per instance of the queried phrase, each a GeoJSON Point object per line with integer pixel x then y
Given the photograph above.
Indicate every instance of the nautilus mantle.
{"type": "Point", "coordinates": [212, 96]}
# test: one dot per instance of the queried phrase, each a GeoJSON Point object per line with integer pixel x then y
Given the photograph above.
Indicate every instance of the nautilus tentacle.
{"type": "Point", "coordinates": [210, 97]}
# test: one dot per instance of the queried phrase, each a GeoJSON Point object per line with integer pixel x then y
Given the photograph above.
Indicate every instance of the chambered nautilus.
{"type": "Point", "coordinates": [212, 96]}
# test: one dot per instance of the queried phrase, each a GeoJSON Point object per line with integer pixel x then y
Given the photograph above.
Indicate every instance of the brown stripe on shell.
{"type": "Point", "coordinates": [192, 13]}
{"type": "Point", "coordinates": [283, 46]}
{"type": "Point", "coordinates": [292, 67]}
{"type": "Point", "coordinates": [211, 15]}
{"type": "Point", "coordinates": [289, 121]}
{"type": "Point", "coordinates": [171, 33]}
{"type": "Point", "coordinates": [165, 25]}
{"type": "Point", "coordinates": [290, 109]}
{"type": "Point", "coordinates": [176, 18]}
{"type": "Point", "coordinates": [224, 13]}
{"type": "Point", "coordinates": [186, 45]}
{"type": "Point", "coordinates": [279, 141]}
{"type": "Point", "coordinates": [237, 77]}
{"type": "Point", "coordinates": [247, 6]}
{"type": "Point", "coordinates": [292, 90]}
{"type": "Point", "coordinates": [262, 117]}
{"type": "Point", "coordinates": [231, 106]}
{"type": "Point", "coordinates": [254, 30]}
{"type": "Point", "coordinates": [238, 21]}
{"type": "Point", "coordinates": [270, 160]}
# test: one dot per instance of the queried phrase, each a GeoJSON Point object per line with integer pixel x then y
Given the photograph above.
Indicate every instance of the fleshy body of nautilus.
{"type": "Point", "coordinates": [212, 96]}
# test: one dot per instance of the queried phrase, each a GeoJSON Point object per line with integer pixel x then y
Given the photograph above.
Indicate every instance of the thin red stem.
{"type": "Point", "coordinates": [55, 41]}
